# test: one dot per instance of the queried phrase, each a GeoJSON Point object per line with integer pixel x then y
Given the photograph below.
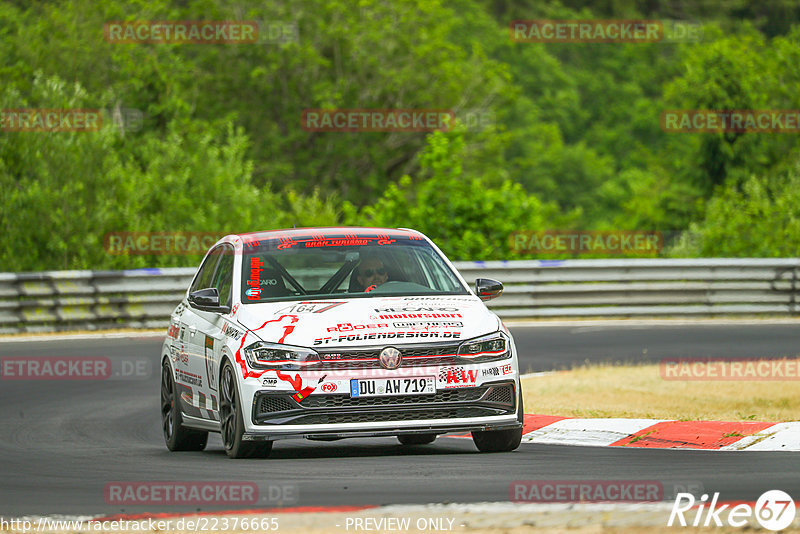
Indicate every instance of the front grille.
{"type": "Point", "coordinates": [368, 358]}
{"type": "Point", "coordinates": [449, 350]}
{"type": "Point", "coordinates": [483, 401]}
{"type": "Point", "coordinates": [382, 416]}
{"type": "Point", "coordinates": [446, 395]}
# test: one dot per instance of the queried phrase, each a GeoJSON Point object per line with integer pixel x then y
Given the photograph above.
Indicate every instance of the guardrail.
{"type": "Point", "coordinates": [144, 298]}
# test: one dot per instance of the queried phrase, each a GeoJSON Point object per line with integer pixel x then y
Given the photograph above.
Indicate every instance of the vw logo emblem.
{"type": "Point", "coordinates": [390, 358]}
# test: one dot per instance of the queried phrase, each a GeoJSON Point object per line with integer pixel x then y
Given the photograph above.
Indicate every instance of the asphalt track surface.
{"type": "Point", "coordinates": [62, 442]}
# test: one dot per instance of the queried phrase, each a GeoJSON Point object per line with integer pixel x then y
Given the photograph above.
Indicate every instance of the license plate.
{"type": "Point", "coordinates": [385, 387]}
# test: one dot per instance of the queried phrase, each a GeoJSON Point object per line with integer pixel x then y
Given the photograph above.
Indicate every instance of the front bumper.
{"type": "Point", "coordinates": [317, 404]}
{"type": "Point", "coordinates": [440, 428]}
{"type": "Point", "coordinates": [490, 406]}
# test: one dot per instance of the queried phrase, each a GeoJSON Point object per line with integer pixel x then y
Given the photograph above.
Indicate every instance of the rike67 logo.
{"type": "Point", "coordinates": [774, 510]}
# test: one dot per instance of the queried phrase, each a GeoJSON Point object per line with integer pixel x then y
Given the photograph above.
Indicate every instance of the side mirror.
{"type": "Point", "coordinates": [487, 289]}
{"type": "Point", "coordinates": [207, 300]}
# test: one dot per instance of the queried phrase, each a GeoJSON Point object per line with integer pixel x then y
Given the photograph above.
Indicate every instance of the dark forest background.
{"type": "Point", "coordinates": [573, 139]}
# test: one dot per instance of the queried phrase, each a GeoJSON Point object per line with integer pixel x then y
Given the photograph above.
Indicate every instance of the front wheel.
{"type": "Point", "coordinates": [177, 436]}
{"type": "Point", "coordinates": [500, 440]}
{"type": "Point", "coordinates": [231, 422]}
{"type": "Point", "coordinates": [497, 440]}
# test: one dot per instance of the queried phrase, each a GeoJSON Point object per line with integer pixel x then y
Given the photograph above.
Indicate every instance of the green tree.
{"type": "Point", "coordinates": [65, 191]}
{"type": "Point", "coordinates": [466, 217]}
{"type": "Point", "coordinates": [760, 218]}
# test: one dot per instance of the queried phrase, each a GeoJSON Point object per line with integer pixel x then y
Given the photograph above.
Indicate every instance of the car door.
{"type": "Point", "coordinates": [190, 376]}
{"type": "Point", "coordinates": [205, 340]}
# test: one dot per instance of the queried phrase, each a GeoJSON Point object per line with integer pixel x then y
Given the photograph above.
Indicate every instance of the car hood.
{"type": "Point", "coordinates": [368, 321]}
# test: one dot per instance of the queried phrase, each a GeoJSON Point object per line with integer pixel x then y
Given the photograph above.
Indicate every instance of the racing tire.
{"type": "Point", "coordinates": [231, 423]}
{"type": "Point", "coordinates": [176, 436]}
{"type": "Point", "coordinates": [501, 440]}
{"type": "Point", "coordinates": [416, 439]}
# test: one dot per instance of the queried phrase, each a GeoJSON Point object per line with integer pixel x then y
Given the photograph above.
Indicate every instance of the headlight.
{"type": "Point", "coordinates": [261, 355]}
{"type": "Point", "coordinates": [485, 349]}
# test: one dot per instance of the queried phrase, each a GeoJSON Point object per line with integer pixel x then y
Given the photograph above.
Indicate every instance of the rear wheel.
{"type": "Point", "coordinates": [177, 436]}
{"type": "Point", "coordinates": [416, 439]}
{"type": "Point", "coordinates": [231, 422]}
{"type": "Point", "coordinates": [500, 440]}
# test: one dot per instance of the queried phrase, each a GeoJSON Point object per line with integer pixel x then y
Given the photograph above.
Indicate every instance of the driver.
{"type": "Point", "coordinates": [372, 273]}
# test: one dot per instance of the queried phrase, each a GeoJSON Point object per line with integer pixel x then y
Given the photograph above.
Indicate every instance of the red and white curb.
{"type": "Point", "coordinates": [662, 434]}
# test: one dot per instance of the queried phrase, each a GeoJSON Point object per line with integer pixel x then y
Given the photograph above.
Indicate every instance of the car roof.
{"type": "Point", "coordinates": [328, 232]}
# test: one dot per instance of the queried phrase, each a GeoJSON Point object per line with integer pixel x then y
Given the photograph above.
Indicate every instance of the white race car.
{"type": "Point", "coordinates": [330, 333]}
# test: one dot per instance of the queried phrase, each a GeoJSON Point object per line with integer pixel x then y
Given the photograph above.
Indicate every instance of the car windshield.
{"type": "Point", "coordinates": [277, 269]}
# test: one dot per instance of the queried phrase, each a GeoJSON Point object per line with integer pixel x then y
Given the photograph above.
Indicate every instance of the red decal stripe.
{"type": "Point", "coordinates": [240, 360]}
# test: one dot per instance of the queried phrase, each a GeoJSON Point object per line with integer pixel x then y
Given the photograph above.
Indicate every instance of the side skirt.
{"type": "Point", "coordinates": [200, 424]}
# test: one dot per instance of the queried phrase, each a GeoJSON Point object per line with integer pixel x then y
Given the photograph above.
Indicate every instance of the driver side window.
{"type": "Point", "coordinates": [206, 272]}
{"type": "Point", "coordinates": [223, 279]}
